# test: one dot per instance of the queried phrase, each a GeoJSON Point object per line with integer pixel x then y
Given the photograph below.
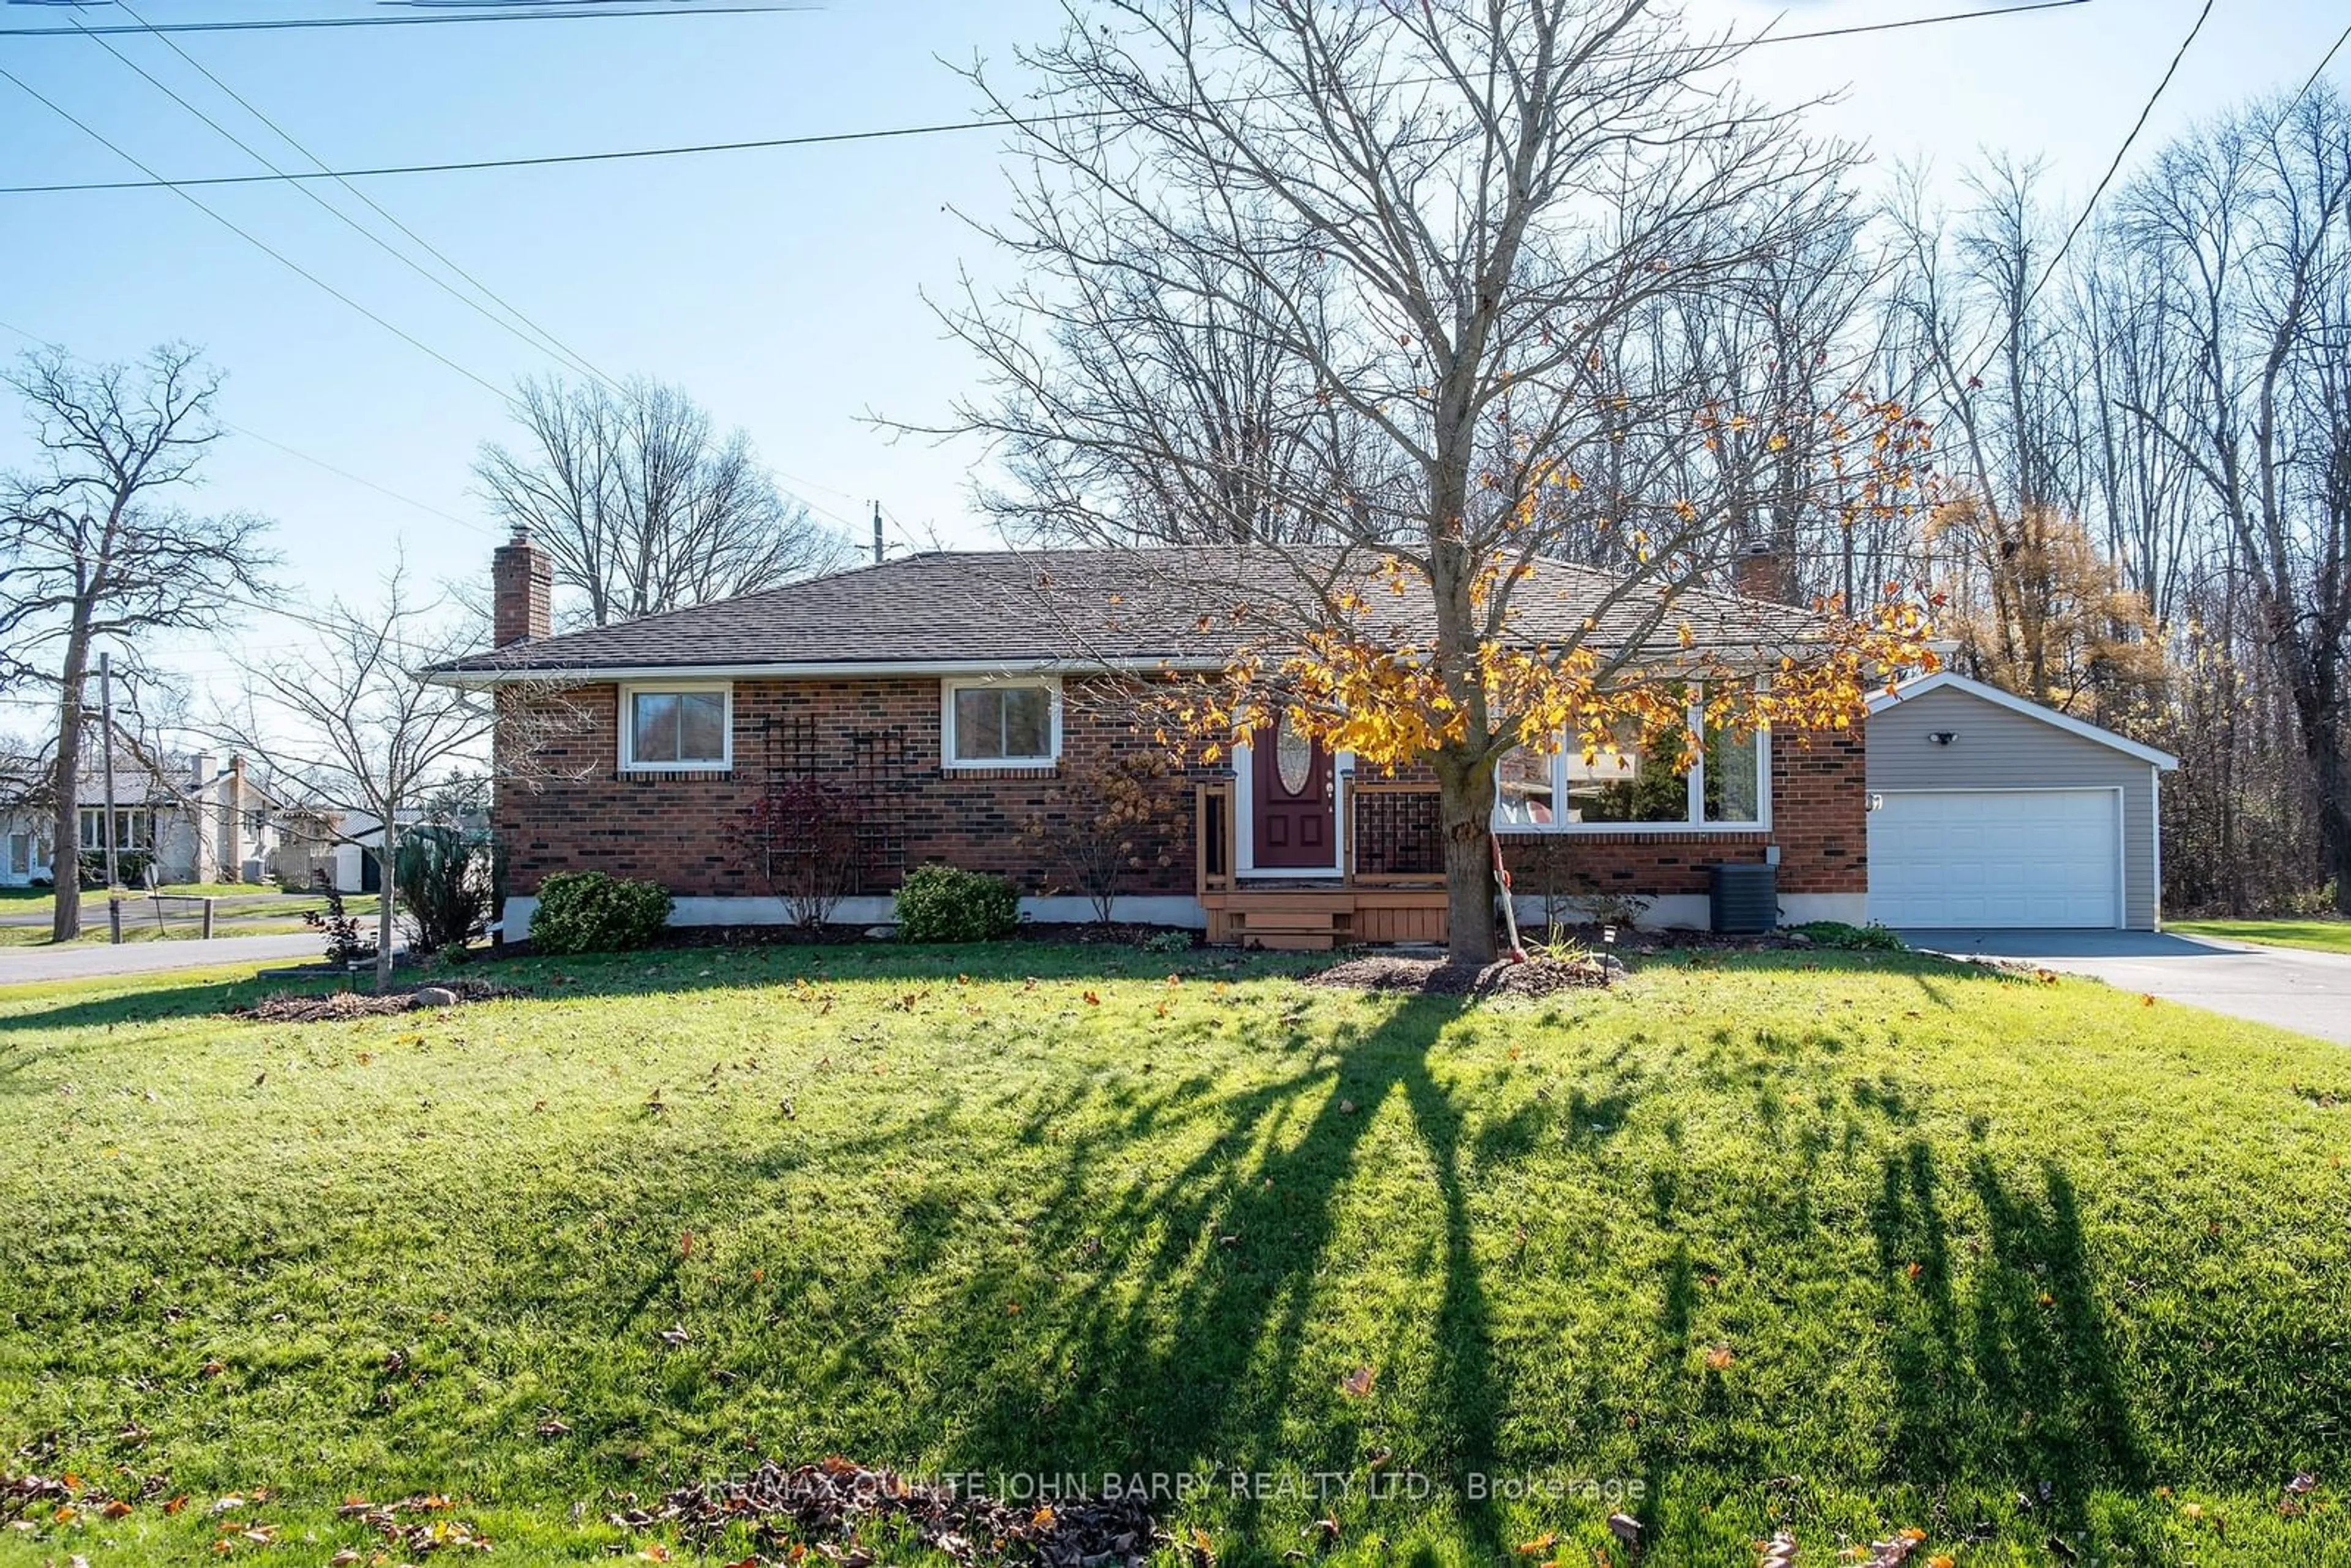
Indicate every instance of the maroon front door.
{"type": "Point", "coordinates": [1292, 799]}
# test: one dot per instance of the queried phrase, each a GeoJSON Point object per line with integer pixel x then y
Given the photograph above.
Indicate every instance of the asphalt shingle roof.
{"type": "Point", "coordinates": [1085, 606]}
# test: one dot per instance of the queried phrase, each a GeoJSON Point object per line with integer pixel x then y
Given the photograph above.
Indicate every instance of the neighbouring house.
{"type": "Point", "coordinates": [192, 816]}
{"type": "Point", "coordinates": [952, 696]}
{"type": "Point", "coordinates": [1991, 810]}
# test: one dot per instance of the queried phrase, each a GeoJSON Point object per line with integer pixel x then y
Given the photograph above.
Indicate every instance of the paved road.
{"type": "Point", "coordinates": [2283, 985]}
{"type": "Point", "coordinates": [86, 960]}
{"type": "Point", "coordinates": [226, 906]}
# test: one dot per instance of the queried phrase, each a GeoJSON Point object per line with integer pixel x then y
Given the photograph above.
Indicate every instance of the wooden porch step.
{"type": "Point", "coordinates": [1291, 941]}
{"type": "Point", "coordinates": [1301, 898]}
{"type": "Point", "coordinates": [1307, 930]}
{"type": "Point", "coordinates": [1290, 919]}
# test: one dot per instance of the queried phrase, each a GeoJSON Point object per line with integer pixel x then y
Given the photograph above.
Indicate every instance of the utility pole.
{"type": "Point", "coordinates": [106, 749]}
{"type": "Point", "coordinates": [877, 533]}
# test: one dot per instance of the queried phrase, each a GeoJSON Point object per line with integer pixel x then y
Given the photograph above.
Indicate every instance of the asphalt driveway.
{"type": "Point", "coordinates": [2310, 992]}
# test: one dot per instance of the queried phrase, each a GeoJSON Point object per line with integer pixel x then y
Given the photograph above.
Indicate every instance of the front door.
{"type": "Point", "coordinates": [1293, 801]}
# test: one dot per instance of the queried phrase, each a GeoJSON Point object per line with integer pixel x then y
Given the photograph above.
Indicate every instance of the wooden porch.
{"type": "Point", "coordinates": [1390, 886]}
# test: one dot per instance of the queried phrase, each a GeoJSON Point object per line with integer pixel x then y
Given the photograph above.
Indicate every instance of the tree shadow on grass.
{"type": "Point", "coordinates": [1182, 1339]}
{"type": "Point", "coordinates": [2008, 1373]}
{"type": "Point", "coordinates": [666, 971]}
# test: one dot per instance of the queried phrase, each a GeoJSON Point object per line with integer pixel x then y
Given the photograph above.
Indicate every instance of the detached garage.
{"type": "Point", "coordinates": [1990, 810]}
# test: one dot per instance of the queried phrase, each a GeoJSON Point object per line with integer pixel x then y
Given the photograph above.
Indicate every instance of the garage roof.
{"type": "Point", "coordinates": [1948, 680]}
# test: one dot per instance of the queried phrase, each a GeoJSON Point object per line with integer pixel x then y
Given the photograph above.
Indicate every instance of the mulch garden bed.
{"type": "Point", "coordinates": [787, 1510]}
{"type": "Point", "coordinates": [323, 1007]}
{"type": "Point", "coordinates": [1399, 973]}
{"type": "Point", "coordinates": [1631, 941]}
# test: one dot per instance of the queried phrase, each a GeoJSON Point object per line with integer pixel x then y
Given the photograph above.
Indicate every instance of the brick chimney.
{"type": "Point", "coordinates": [522, 591]}
{"type": "Point", "coordinates": [1757, 574]}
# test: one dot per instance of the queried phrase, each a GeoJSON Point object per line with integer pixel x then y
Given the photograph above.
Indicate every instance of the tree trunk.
{"type": "Point", "coordinates": [65, 857]}
{"type": "Point", "coordinates": [384, 855]}
{"type": "Point", "coordinates": [1465, 794]}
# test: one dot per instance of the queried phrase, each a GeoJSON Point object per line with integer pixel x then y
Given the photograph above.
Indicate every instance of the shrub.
{"type": "Point", "coordinates": [338, 926]}
{"type": "Point", "coordinates": [1167, 942]}
{"type": "Point", "coordinates": [802, 838]}
{"type": "Point", "coordinates": [1625, 909]}
{"type": "Point", "coordinates": [948, 904]}
{"type": "Point", "coordinates": [589, 912]}
{"type": "Point", "coordinates": [1870, 938]}
{"type": "Point", "coordinates": [442, 875]}
{"type": "Point", "coordinates": [1106, 821]}
{"type": "Point", "coordinates": [130, 865]}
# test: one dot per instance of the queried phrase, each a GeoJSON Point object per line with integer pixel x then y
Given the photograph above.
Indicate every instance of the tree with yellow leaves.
{"type": "Point", "coordinates": [1443, 238]}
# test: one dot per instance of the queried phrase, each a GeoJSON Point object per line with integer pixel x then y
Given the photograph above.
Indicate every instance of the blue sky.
{"type": "Point", "coordinates": [782, 289]}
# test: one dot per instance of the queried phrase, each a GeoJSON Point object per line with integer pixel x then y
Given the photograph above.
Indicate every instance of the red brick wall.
{"type": "Point", "coordinates": [579, 812]}
{"type": "Point", "coordinates": [1820, 804]}
{"type": "Point", "coordinates": [682, 829]}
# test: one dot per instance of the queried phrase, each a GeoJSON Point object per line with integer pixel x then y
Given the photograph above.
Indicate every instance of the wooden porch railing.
{"type": "Point", "coordinates": [1214, 856]}
{"type": "Point", "coordinates": [1391, 835]}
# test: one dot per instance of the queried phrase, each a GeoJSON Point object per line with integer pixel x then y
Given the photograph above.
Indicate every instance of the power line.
{"type": "Point", "coordinates": [279, 257]}
{"type": "Point", "coordinates": [990, 123]}
{"type": "Point", "coordinates": [2091, 207]}
{"type": "Point", "coordinates": [319, 163]}
{"type": "Point", "coordinates": [2321, 71]}
{"type": "Point", "coordinates": [563, 353]}
{"type": "Point", "coordinates": [282, 24]}
{"type": "Point", "coordinates": [565, 357]}
{"type": "Point", "coordinates": [2129, 142]}
{"type": "Point", "coordinates": [364, 483]}
{"type": "Point", "coordinates": [297, 452]}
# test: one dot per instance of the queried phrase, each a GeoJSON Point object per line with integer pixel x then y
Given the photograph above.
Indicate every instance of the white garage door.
{"type": "Point", "coordinates": [1996, 857]}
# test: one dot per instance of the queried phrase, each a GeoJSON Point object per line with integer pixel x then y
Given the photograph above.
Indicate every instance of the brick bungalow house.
{"type": "Point", "coordinates": [952, 694]}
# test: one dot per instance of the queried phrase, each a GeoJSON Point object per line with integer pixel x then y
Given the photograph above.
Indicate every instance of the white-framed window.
{"type": "Point", "coordinates": [134, 827]}
{"type": "Point", "coordinates": [1724, 784]}
{"type": "Point", "coordinates": [686, 727]}
{"type": "Point", "coordinates": [1000, 722]}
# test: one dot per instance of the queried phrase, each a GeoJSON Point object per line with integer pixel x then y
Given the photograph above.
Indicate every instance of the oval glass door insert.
{"type": "Point", "coordinates": [1293, 758]}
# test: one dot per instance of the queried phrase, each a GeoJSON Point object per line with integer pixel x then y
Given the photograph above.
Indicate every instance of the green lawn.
{"type": "Point", "coordinates": [2324, 936]}
{"type": "Point", "coordinates": [1850, 1243]}
{"type": "Point", "coordinates": [247, 912]}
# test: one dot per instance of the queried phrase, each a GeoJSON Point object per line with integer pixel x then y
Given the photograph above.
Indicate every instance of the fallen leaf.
{"type": "Point", "coordinates": [1718, 1358]}
{"type": "Point", "coordinates": [1358, 1383]}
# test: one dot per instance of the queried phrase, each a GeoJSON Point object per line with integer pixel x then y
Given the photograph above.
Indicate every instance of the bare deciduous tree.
{"type": "Point", "coordinates": [348, 726]}
{"type": "Point", "coordinates": [93, 553]}
{"type": "Point", "coordinates": [641, 506]}
{"type": "Point", "coordinates": [1442, 235]}
{"type": "Point", "coordinates": [2251, 221]}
